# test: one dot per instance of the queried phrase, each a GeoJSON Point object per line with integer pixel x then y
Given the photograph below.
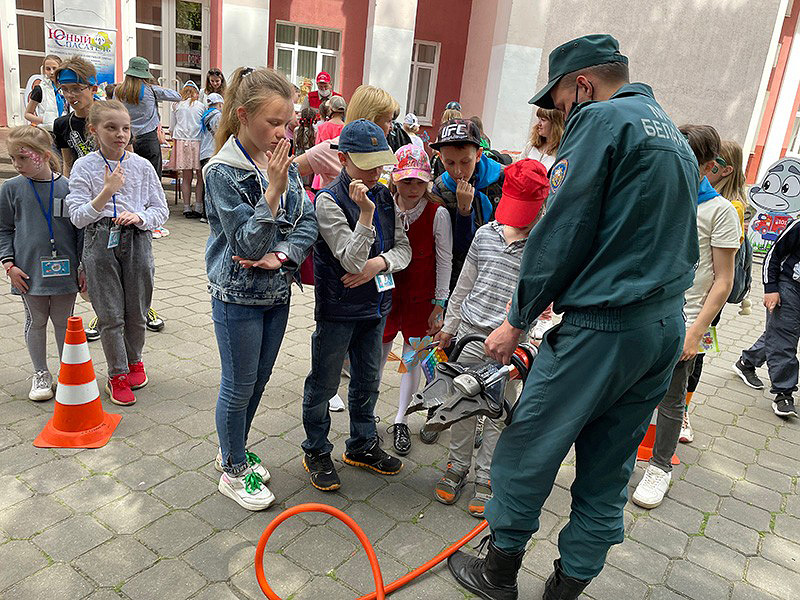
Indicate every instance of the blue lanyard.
{"type": "Point", "coordinates": [48, 214]}
{"type": "Point", "coordinates": [255, 166]}
{"type": "Point", "coordinates": [110, 168]}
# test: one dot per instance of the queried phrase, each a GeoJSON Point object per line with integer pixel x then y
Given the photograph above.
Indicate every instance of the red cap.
{"type": "Point", "coordinates": [323, 76]}
{"type": "Point", "coordinates": [525, 189]}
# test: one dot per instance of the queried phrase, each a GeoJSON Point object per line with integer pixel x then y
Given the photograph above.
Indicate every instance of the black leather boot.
{"type": "Point", "coordinates": [490, 578]}
{"type": "Point", "coordinates": [562, 587]}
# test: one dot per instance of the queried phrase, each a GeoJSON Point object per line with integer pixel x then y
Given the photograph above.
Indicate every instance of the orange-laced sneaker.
{"type": "Point", "coordinates": [450, 485]}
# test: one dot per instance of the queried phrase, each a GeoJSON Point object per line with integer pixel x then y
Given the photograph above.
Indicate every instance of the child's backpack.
{"type": "Point", "coordinates": [742, 273]}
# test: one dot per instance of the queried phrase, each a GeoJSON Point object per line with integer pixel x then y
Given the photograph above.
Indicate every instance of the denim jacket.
{"type": "Point", "coordinates": [242, 224]}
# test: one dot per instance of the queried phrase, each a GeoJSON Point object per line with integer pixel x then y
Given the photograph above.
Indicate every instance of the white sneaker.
{"type": "Point", "coordinates": [41, 386]}
{"type": "Point", "coordinates": [156, 233]}
{"type": "Point", "coordinates": [687, 433]}
{"type": "Point", "coordinates": [651, 489]}
{"type": "Point", "coordinates": [253, 461]}
{"type": "Point", "coordinates": [335, 404]}
{"type": "Point", "coordinates": [247, 490]}
{"type": "Point", "coordinates": [541, 328]}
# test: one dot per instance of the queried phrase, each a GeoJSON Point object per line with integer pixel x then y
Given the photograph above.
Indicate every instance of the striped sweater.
{"type": "Point", "coordinates": [486, 283]}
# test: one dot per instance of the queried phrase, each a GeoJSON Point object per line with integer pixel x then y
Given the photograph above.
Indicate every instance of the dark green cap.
{"type": "Point", "coordinates": [577, 54]}
{"type": "Point", "coordinates": [139, 67]}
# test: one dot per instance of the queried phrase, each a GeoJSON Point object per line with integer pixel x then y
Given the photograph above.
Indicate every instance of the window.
{"type": "Point", "coordinates": [301, 52]}
{"type": "Point", "coordinates": [31, 15]}
{"type": "Point", "coordinates": [422, 82]}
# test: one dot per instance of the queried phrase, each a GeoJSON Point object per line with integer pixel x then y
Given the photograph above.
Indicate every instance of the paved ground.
{"type": "Point", "coordinates": [142, 519]}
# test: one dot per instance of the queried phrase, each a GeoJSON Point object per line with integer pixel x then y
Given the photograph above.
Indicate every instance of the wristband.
{"type": "Point", "coordinates": [442, 303]}
{"type": "Point", "coordinates": [9, 267]}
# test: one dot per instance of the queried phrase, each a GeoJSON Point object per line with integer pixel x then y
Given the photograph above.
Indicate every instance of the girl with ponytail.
{"type": "Point", "coordinates": [262, 228]}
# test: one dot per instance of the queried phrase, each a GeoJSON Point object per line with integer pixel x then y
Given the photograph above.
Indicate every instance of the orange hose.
{"type": "Point", "coordinates": [380, 591]}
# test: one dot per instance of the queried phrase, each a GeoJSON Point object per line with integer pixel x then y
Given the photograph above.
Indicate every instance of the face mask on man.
{"type": "Point", "coordinates": [325, 93]}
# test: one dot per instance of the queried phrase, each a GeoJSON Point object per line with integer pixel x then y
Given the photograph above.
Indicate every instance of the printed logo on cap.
{"type": "Point", "coordinates": [558, 173]}
{"type": "Point", "coordinates": [458, 130]}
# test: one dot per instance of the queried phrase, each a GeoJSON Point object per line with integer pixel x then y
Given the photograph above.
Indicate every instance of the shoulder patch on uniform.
{"type": "Point", "coordinates": [558, 173]}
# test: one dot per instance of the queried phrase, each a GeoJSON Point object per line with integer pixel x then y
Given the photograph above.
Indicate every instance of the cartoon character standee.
{"type": "Point", "coordinates": [777, 203]}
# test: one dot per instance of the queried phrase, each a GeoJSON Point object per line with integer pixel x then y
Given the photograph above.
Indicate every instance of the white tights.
{"type": "Point", "coordinates": [409, 382]}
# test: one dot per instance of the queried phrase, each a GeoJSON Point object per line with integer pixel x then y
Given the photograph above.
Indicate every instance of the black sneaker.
{"type": "Point", "coordinates": [203, 219]}
{"type": "Point", "coordinates": [375, 458]}
{"type": "Point", "coordinates": [323, 474]}
{"type": "Point", "coordinates": [91, 330]}
{"type": "Point", "coordinates": [783, 406]}
{"type": "Point", "coordinates": [192, 214]}
{"type": "Point", "coordinates": [748, 375]}
{"type": "Point", "coordinates": [154, 322]}
{"type": "Point", "coordinates": [428, 437]}
{"type": "Point", "coordinates": [402, 438]}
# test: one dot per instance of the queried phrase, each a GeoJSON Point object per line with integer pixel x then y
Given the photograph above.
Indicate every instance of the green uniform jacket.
{"type": "Point", "coordinates": [621, 222]}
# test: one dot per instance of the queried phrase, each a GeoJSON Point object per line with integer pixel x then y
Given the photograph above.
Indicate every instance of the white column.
{"type": "Point", "coordinates": [784, 114]}
{"type": "Point", "coordinates": [511, 73]}
{"type": "Point", "coordinates": [245, 31]}
{"type": "Point", "coordinates": [389, 45]}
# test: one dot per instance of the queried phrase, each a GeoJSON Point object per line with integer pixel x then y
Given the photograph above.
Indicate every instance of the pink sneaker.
{"type": "Point", "coordinates": [119, 390]}
{"type": "Point", "coordinates": [137, 378]}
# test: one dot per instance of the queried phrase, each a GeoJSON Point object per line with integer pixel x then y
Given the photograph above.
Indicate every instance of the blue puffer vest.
{"type": "Point", "coordinates": [334, 302]}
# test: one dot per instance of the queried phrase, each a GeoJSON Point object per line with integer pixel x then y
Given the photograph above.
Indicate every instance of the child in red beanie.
{"type": "Point", "coordinates": [478, 305]}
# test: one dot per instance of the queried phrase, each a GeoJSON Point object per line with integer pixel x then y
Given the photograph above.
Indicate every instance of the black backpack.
{"type": "Point", "coordinates": [742, 273]}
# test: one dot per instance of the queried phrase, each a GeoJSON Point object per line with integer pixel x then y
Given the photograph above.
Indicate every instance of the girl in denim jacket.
{"type": "Point", "coordinates": [262, 228]}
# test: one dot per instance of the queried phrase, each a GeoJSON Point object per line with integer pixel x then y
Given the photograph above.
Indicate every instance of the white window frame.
{"type": "Point", "coordinates": [47, 15]}
{"type": "Point", "coordinates": [320, 51]}
{"type": "Point", "coordinates": [426, 119]}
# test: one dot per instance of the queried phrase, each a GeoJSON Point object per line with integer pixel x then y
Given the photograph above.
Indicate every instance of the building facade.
{"type": "Point", "coordinates": [732, 64]}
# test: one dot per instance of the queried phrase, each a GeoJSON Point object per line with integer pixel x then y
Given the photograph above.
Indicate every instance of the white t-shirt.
{"type": "Point", "coordinates": [546, 159]}
{"type": "Point", "coordinates": [186, 117]}
{"type": "Point", "coordinates": [717, 227]}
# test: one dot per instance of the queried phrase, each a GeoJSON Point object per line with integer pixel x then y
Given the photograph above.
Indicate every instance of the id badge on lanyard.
{"type": "Point", "coordinates": [383, 281]}
{"type": "Point", "coordinates": [53, 265]}
{"type": "Point", "coordinates": [115, 232]}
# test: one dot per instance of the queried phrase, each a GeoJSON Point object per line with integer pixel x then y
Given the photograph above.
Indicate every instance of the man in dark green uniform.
{"type": "Point", "coordinates": [615, 252]}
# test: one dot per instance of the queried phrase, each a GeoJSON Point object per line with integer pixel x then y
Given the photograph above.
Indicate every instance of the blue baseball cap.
{"type": "Point", "coordinates": [365, 143]}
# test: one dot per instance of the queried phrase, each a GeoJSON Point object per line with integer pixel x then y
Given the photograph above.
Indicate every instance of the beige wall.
{"type": "Point", "coordinates": [703, 58]}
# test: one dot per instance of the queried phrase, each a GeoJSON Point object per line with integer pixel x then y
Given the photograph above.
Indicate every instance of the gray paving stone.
{"type": "Point", "coordinates": [193, 453]}
{"type": "Point", "coordinates": [216, 591]}
{"type": "Point", "coordinates": [732, 534]}
{"type": "Point", "coordinates": [112, 456]}
{"type": "Point", "coordinates": [71, 585]}
{"type": "Point", "coordinates": [318, 551]}
{"type": "Point", "coordinates": [663, 593]}
{"type": "Point", "coordinates": [144, 473]}
{"type": "Point", "coordinates": [768, 478]}
{"type": "Point", "coordinates": [19, 458]}
{"type": "Point", "coordinates": [130, 513]}
{"type": "Point", "coordinates": [759, 496]}
{"type": "Point", "coordinates": [745, 514]}
{"type": "Point", "coordinates": [30, 516]}
{"type": "Point", "coordinates": [408, 542]}
{"type": "Point", "coordinates": [712, 481]}
{"type": "Point", "coordinates": [639, 560]}
{"type": "Point", "coordinates": [221, 556]}
{"type": "Point", "coordinates": [14, 491]}
{"type": "Point", "coordinates": [184, 490]}
{"type": "Point", "coordinates": [285, 578]}
{"type": "Point", "coordinates": [157, 439]}
{"type": "Point", "coordinates": [168, 579]}
{"type": "Point", "coordinates": [613, 583]}
{"type": "Point", "coordinates": [54, 475]}
{"type": "Point", "coordinates": [72, 537]}
{"type": "Point", "coordinates": [325, 587]}
{"type": "Point", "coordinates": [788, 527]}
{"type": "Point", "coordinates": [357, 574]}
{"type": "Point", "coordinates": [19, 559]}
{"type": "Point", "coordinates": [693, 496]}
{"type": "Point", "coordinates": [773, 578]}
{"type": "Point", "coordinates": [678, 516]}
{"type": "Point", "coordinates": [90, 494]}
{"type": "Point", "coordinates": [220, 512]}
{"type": "Point", "coordinates": [782, 552]}
{"type": "Point", "coordinates": [174, 533]}
{"type": "Point", "coordinates": [716, 558]}
{"type": "Point", "coordinates": [697, 583]}
{"type": "Point", "coordinates": [660, 537]}
{"type": "Point", "coordinates": [118, 559]}
{"type": "Point", "coordinates": [745, 591]}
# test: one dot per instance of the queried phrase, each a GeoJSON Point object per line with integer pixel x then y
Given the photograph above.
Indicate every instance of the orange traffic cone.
{"type": "Point", "coordinates": [79, 420]}
{"type": "Point", "coordinates": [645, 451]}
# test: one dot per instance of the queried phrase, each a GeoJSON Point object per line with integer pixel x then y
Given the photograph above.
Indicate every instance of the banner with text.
{"type": "Point", "coordinates": [98, 46]}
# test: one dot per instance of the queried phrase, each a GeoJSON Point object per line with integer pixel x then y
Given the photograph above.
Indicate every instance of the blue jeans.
{"type": "Point", "coordinates": [249, 338]}
{"type": "Point", "coordinates": [362, 341]}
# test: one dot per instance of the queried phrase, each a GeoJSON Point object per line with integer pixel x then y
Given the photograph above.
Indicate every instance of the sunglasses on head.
{"type": "Point", "coordinates": [214, 72]}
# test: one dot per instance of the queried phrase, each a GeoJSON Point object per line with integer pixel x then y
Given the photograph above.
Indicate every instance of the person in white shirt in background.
{"type": "Point", "coordinates": [185, 128]}
{"type": "Point", "coordinates": [545, 137]}
{"type": "Point", "coordinates": [411, 127]}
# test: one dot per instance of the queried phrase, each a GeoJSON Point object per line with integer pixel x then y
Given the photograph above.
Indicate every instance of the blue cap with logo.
{"type": "Point", "coordinates": [365, 143]}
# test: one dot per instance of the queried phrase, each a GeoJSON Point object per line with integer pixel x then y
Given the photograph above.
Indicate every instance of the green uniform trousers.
{"type": "Point", "coordinates": [595, 389]}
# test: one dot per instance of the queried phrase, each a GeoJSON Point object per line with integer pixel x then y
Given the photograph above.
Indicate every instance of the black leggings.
{"type": "Point", "coordinates": [148, 147]}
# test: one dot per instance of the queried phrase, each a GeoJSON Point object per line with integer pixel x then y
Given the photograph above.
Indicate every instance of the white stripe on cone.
{"type": "Point", "coordinates": [75, 354]}
{"type": "Point", "coordinates": [77, 394]}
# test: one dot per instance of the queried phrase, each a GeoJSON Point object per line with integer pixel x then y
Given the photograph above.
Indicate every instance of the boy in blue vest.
{"type": "Point", "coordinates": [360, 245]}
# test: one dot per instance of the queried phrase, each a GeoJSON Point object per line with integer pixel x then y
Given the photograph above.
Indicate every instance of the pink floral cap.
{"type": "Point", "coordinates": [412, 163]}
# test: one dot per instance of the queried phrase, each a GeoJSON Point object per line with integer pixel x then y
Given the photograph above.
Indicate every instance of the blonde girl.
{"type": "Point", "coordinates": [259, 216]}
{"type": "Point", "coordinates": [46, 103]}
{"type": "Point", "coordinates": [545, 137]}
{"type": "Point", "coordinates": [117, 198]}
{"type": "Point", "coordinates": [185, 127]}
{"type": "Point", "coordinates": [39, 247]}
